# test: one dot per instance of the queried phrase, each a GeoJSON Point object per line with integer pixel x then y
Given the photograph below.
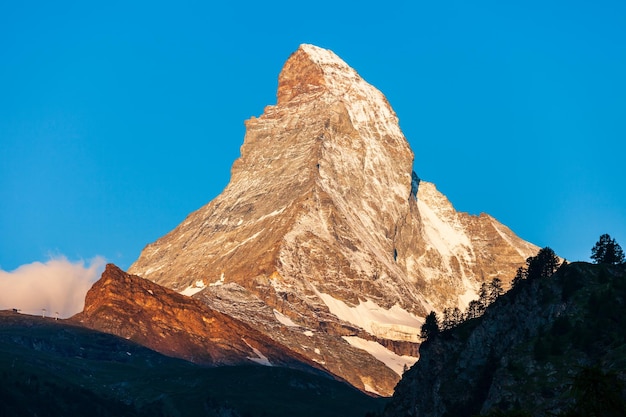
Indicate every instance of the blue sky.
{"type": "Point", "coordinates": [117, 120]}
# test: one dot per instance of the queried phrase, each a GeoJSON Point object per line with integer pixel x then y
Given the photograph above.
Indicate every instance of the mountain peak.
{"type": "Point", "coordinates": [316, 74]}
{"type": "Point", "coordinates": [318, 237]}
{"type": "Point", "coordinates": [308, 71]}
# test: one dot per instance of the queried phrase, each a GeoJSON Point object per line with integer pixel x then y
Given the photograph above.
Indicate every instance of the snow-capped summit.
{"type": "Point", "coordinates": [324, 239]}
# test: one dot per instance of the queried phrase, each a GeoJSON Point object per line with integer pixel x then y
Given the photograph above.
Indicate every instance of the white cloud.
{"type": "Point", "coordinates": [57, 285]}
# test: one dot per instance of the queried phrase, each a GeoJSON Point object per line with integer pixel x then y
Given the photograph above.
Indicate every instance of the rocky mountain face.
{"type": "Point", "coordinates": [176, 325]}
{"type": "Point", "coordinates": [325, 240]}
{"type": "Point", "coordinates": [523, 355]}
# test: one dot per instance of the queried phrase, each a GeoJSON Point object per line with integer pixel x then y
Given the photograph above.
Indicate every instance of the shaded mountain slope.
{"type": "Point", "coordinates": [53, 368]}
{"type": "Point", "coordinates": [526, 350]}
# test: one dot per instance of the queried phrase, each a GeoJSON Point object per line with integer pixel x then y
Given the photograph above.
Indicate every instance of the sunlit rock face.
{"type": "Point", "coordinates": [325, 239]}
{"type": "Point", "coordinates": [170, 323]}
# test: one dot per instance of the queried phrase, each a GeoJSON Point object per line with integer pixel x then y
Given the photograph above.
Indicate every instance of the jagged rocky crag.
{"type": "Point", "coordinates": [325, 240]}
{"type": "Point", "coordinates": [173, 324]}
{"type": "Point", "coordinates": [525, 352]}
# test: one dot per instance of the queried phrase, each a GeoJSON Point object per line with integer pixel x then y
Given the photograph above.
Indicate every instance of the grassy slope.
{"type": "Point", "coordinates": [52, 369]}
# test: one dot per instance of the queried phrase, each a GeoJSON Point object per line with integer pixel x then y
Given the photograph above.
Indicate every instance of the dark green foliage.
{"type": "Point", "coordinates": [520, 276]}
{"type": "Point", "coordinates": [26, 394]}
{"type": "Point", "coordinates": [483, 294]}
{"type": "Point", "coordinates": [489, 292]}
{"type": "Point", "coordinates": [571, 281]}
{"type": "Point", "coordinates": [451, 318]}
{"type": "Point", "coordinates": [475, 309]}
{"type": "Point", "coordinates": [597, 394]}
{"type": "Point", "coordinates": [543, 265]}
{"type": "Point", "coordinates": [495, 289]}
{"type": "Point", "coordinates": [430, 328]}
{"type": "Point", "coordinates": [51, 369]}
{"type": "Point", "coordinates": [607, 251]}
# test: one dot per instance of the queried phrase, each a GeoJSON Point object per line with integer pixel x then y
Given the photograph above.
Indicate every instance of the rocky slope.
{"type": "Point", "coordinates": [325, 240]}
{"type": "Point", "coordinates": [175, 325]}
{"type": "Point", "coordinates": [525, 352]}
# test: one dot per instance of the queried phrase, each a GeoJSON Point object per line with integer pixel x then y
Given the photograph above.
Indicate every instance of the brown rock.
{"type": "Point", "coordinates": [175, 325]}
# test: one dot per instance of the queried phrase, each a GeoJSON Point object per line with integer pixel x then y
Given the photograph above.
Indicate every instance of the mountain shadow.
{"type": "Point", "coordinates": [545, 348]}
{"type": "Point", "coordinates": [50, 368]}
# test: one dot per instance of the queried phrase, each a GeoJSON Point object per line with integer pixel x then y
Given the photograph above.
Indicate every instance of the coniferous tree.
{"type": "Point", "coordinates": [457, 315]}
{"type": "Point", "coordinates": [474, 309]}
{"type": "Point", "coordinates": [451, 318]}
{"type": "Point", "coordinates": [446, 322]}
{"type": "Point", "coordinates": [607, 251]}
{"type": "Point", "coordinates": [520, 275]}
{"type": "Point", "coordinates": [483, 295]}
{"type": "Point", "coordinates": [489, 292]}
{"type": "Point", "coordinates": [495, 289]}
{"type": "Point", "coordinates": [543, 265]}
{"type": "Point", "coordinates": [430, 327]}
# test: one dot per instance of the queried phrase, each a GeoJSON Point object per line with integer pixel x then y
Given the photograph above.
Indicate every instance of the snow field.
{"type": "Point", "coordinates": [394, 324]}
{"type": "Point", "coordinates": [392, 360]}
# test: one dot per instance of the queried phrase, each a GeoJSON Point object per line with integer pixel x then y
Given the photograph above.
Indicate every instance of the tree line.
{"type": "Point", "coordinates": [606, 251]}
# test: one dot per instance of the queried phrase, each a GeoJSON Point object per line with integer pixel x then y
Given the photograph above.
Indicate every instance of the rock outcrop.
{"type": "Point", "coordinates": [178, 326]}
{"type": "Point", "coordinates": [324, 239]}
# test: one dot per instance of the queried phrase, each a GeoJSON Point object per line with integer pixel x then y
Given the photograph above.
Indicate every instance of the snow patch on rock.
{"type": "Point", "coordinates": [261, 359]}
{"type": "Point", "coordinates": [393, 361]}
{"type": "Point", "coordinates": [218, 282]}
{"type": "Point", "coordinates": [447, 237]}
{"type": "Point", "coordinates": [194, 289]}
{"type": "Point", "coordinates": [394, 324]}
{"type": "Point", "coordinates": [367, 387]}
{"type": "Point", "coordinates": [284, 319]}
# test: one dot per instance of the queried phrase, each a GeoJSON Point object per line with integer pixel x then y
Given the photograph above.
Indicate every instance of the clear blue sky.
{"type": "Point", "coordinates": [119, 119]}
